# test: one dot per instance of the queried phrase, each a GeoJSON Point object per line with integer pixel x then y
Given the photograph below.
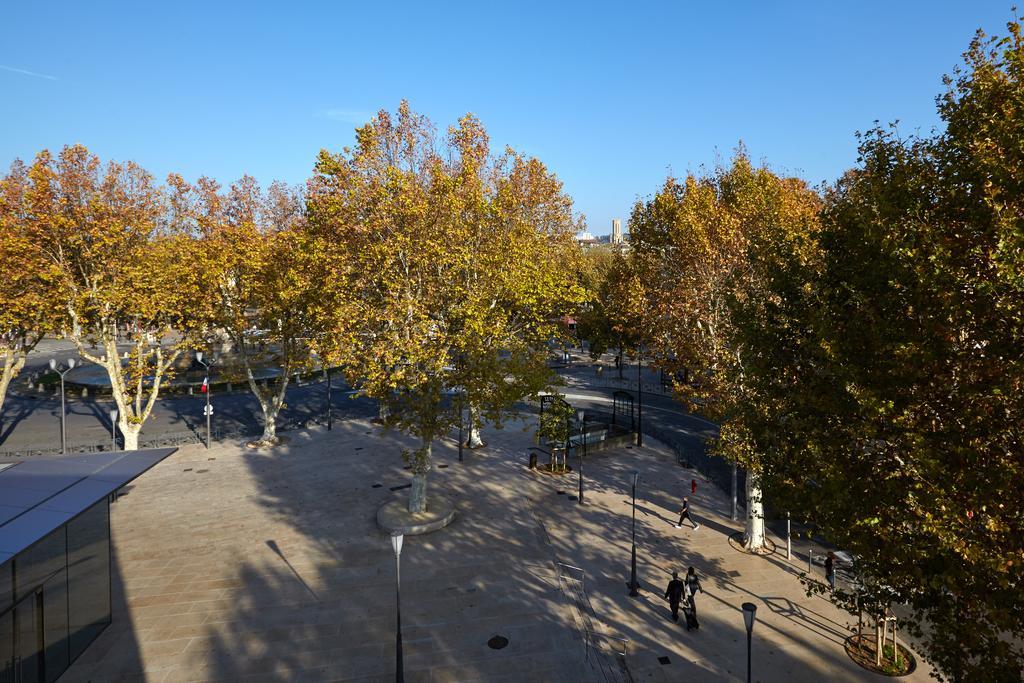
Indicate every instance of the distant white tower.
{"type": "Point", "coordinates": [616, 231]}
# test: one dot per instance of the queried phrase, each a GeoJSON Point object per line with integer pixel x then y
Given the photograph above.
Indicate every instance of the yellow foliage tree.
{"type": "Point", "coordinates": [30, 306]}
{"type": "Point", "coordinates": [121, 274]}
{"type": "Point", "coordinates": [452, 268]}
{"type": "Point", "coordinates": [256, 266]}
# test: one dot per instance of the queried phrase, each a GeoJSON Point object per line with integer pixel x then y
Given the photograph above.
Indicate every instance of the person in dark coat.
{"type": "Point", "coordinates": [830, 569]}
{"type": "Point", "coordinates": [674, 594]}
{"type": "Point", "coordinates": [691, 587]}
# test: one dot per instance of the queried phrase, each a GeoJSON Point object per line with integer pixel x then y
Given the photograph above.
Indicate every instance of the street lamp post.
{"type": "Point", "coordinates": [330, 417]}
{"type": "Point", "coordinates": [634, 586]}
{"type": "Point", "coordinates": [208, 411]}
{"type": "Point", "coordinates": [63, 412]}
{"type": "Point", "coordinates": [749, 613]}
{"type": "Point", "coordinates": [396, 544]}
{"type": "Point", "coordinates": [113, 429]}
{"type": "Point", "coordinates": [639, 398]}
{"type": "Point", "coordinates": [461, 422]}
{"type": "Point", "coordinates": [582, 417]}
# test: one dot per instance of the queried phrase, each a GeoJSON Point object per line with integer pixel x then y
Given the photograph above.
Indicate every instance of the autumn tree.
{"type": "Point", "coordinates": [886, 374]}
{"type": "Point", "coordinates": [452, 267]}
{"type": "Point", "coordinates": [692, 258]}
{"type": "Point", "coordinates": [612, 315]}
{"type": "Point", "coordinates": [102, 230]}
{"type": "Point", "coordinates": [30, 304]}
{"type": "Point", "coordinates": [258, 269]}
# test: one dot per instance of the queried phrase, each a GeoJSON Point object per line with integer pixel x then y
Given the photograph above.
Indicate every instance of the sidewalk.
{"type": "Point", "coordinates": [235, 565]}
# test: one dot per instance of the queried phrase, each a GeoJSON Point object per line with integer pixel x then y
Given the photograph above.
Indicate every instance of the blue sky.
{"type": "Point", "coordinates": [611, 96]}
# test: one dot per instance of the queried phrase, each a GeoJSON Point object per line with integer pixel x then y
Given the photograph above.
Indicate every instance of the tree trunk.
{"type": "Point", "coordinates": [754, 534]}
{"type": "Point", "coordinates": [130, 435]}
{"type": "Point", "coordinates": [878, 641]}
{"type": "Point", "coordinates": [14, 361]}
{"type": "Point", "coordinates": [420, 467]}
{"type": "Point", "coordinates": [474, 440]}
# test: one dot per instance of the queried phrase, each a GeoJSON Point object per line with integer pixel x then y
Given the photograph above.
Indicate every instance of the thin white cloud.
{"type": "Point", "coordinates": [345, 116]}
{"type": "Point", "coordinates": [27, 73]}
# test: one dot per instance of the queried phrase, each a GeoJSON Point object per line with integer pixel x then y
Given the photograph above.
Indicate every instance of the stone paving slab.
{"type": "Point", "coordinates": [240, 565]}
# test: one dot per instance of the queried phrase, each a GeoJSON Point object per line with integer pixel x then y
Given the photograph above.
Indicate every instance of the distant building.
{"type": "Point", "coordinates": [587, 240]}
{"type": "Point", "coordinates": [616, 231]}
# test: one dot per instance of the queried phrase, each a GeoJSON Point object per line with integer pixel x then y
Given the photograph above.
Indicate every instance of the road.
{"type": "Point", "coordinates": [31, 421]}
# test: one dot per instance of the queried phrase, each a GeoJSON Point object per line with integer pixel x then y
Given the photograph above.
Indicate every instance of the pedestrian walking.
{"type": "Point", "coordinates": [830, 569]}
{"type": "Point", "coordinates": [674, 594]}
{"type": "Point", "coordinates": [693, 487]}
{"type": "Point", "coordinates": [684, 513]}
{"type": "Point", "coordinates": [691, 586]}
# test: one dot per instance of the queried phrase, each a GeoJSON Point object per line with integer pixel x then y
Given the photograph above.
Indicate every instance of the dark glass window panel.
{"type": "Point", "coordinates": [55, 625]}
{"type": "Point", "coordinates": [88, 576]}
{"type": "Point", "coordinates": [7, 662]}
{"type": "Point", "coordinates": [6, 586]}
{"type": "Point", "coordinates": [37, 564]}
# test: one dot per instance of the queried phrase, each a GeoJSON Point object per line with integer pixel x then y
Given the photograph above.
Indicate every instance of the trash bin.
{"type": "Point", "coordinates": [533, 460]}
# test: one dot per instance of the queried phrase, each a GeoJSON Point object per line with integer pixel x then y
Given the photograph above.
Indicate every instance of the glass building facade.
{"type": "Point", "coordinates": [55, 598]}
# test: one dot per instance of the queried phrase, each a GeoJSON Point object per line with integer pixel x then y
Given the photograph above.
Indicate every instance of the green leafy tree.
{"type": "Point", "coordinates": [886, 371]}
{"type": "Point", "coordinates": [692, 259]}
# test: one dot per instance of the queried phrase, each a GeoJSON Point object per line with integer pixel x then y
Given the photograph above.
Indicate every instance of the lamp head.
{"type": "Point", "coordinates": [636, 478]}
{"type": "Point", "coordinates": [396, 543]}
{"type": "Point", "coordinates": [749, 612]}
{"type": "Point", "coordinates": [199, 356]}
{"type": "Point", "coordinates": [113, 415]}
{"type": "Point", "coordinates": [71, 363]}
{"type": "Point", "coordinates": [53, 363]}
{"type": "Point", "coordinates": [580, 415]}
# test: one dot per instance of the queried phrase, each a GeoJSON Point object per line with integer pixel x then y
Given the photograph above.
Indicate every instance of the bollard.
{"type": "Point", "coordinates": [789, 540]}
{"type": "Point", "coordinates": [810, 559]}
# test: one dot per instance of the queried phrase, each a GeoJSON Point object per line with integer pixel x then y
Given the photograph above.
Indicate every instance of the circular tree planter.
{"type": "Point", "coordinates": [394, 517]}
{"type": "Point", "coordinates": [736, 542]}
{"type": "Point", "coordinates": [862, 649]}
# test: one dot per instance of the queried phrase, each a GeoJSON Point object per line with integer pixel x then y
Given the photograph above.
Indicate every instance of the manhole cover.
{"type": "Point", "coordinates": [187, 469]}
{"type": "Point", "coordinates": [377, 486]}
{"type": "Point", "coordinates": [442, 466]}
{"type": "Point", "coordinates": [497, 642]}
{"type": "Point", "coordinates": [663, 660]}
{"type": "Point", "coordinates": [201, 471]}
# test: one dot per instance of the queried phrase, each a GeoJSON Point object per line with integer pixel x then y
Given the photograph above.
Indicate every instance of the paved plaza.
{"type": "Point", "coordinates": [241, 565]}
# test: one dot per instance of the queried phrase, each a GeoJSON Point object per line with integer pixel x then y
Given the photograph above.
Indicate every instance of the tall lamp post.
{"type": "Point", "coordinates": [396, 544]}
{"type": "Point", "coordinates": [634, 586]}
{"type": "Point", "coordinates": [63, 413]}
{"type": "Point", "coordinates": [749, 613]}
{"type": "Point", "coordinates": [639, 397]}
{"type": "Point", "coordinates": [582, 417]}
{"type": "Point", "coordinates": [208, 411]}
{"type": "Point", "coordinates": [113, 429]}
{"type": "Point", "coordinates": [461, 422]}
{"type": "Point", "coordinates": [330, 416]}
